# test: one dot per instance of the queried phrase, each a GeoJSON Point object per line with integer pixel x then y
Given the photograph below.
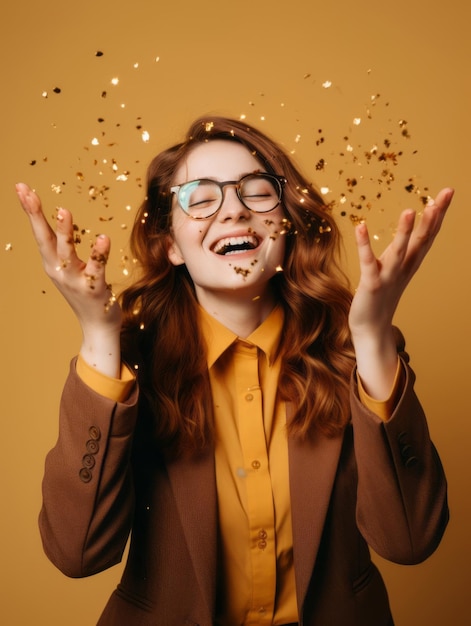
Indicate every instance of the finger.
{"type": "Point", "coordinates": [42, 231]}
{"type": "Point", "coordinates": [431, 222]}
{"type": "Point", "coordinates": [399, 245]}
{"type": "Point", "coordinates": [66, 252]}
{"type": "Point", "coordinates": [435, 210]}
{"type": "Point", "coordinates": [444, 197]}
{"type": "Point", "coordinates": [94, 271]}
{"type": "Point", "coordinates": [366, 256]}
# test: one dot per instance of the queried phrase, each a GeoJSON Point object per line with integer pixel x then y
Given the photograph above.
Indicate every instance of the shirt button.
{"type": "Point", "coordinates": [262, 610]}
{"type": "Point", "coordinates": [262, 544]}
{"type": "Point", "coordinates": [249, 397]}
{"type": "Point", "coordinates": [256, 464]}
{"type": "Point", "coordinates": [262, 534]}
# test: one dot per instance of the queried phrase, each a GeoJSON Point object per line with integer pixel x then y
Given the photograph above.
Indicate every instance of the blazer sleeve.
{"type": "Point", "coordinates": [402, 508]}
{"type": "Point", "coordinates": [88, 494]}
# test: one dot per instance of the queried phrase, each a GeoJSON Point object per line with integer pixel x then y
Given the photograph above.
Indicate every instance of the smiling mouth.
{"type": "Point", "coordinates": [233, 245]}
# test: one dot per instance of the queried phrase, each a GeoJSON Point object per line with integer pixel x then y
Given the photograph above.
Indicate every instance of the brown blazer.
{"type": "Point", "coordinates": [379, 484]}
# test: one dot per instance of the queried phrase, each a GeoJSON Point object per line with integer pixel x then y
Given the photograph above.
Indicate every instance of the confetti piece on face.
{"type": "Point", "coordinates": [8, 247]}
{"type": "Point", "coordinates": [326, 84]}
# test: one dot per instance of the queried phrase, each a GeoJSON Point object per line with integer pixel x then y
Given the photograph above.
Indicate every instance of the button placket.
{"type": "Point", "coordinates": [260, 510]}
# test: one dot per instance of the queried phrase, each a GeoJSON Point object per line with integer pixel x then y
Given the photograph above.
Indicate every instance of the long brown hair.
{"type": "Point", "coordinates": [161, 310]}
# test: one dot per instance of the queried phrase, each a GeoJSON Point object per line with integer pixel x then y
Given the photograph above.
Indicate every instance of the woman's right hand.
{"type": "Point", "coordinates": [82, 284]}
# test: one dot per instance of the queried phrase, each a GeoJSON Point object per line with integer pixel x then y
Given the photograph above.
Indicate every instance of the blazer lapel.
{"type": "Point", "coordinates": [312, 465]}
{"type": "Point", "coordinates": [194, 486]}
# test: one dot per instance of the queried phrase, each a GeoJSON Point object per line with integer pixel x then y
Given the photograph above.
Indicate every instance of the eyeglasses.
{"type": "Point", "coordinates": [258, 192]}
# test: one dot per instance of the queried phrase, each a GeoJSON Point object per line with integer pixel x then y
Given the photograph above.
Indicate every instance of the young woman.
{"type": "Point", "coordinates": [253, 425]}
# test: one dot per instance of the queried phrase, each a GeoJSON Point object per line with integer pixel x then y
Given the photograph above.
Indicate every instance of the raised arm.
{"type": "Point", "coordinates": [82, 284]}
{"type": "Point", "coordinates": [382, 283]}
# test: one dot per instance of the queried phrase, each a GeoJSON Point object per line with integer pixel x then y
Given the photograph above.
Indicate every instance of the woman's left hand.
{"type": "Point", "coordinates": [384, 279]}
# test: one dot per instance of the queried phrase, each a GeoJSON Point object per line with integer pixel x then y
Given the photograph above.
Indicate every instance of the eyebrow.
{"type": "Point", "coordinates": [216, 180]}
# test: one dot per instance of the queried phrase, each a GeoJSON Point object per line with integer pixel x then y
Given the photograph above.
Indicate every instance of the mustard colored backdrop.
{"type": "Point", "coordinates": [338, 81]}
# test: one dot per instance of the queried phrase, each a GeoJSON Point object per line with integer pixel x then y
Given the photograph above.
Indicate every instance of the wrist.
{"type": "Point", "coordinates": [376, 358]}
{"type": "Point", "coordinates": [101, 349]}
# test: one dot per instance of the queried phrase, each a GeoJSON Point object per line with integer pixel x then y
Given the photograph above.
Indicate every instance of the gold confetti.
{"type": "Point", "coordinates": [243, 271]}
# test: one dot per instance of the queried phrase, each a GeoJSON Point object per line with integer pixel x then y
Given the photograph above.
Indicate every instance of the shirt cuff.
{"type": "Point", "coordinates": [117, 389]}
{"type": "Point", "coordinates": [382, 408]}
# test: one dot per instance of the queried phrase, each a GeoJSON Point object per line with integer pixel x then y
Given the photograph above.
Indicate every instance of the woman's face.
{"type": "Point", "coordinates": [235, 250]}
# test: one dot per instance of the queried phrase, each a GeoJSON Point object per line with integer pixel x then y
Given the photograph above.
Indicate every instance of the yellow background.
{"type": "Point", "coordinates": [270, 61]}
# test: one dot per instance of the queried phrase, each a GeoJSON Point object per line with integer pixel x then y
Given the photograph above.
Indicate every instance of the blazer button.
{"type": "Point", "coordinates": [85, 475]}
{"type": "Point", "coordinates": [88, 461]}
{"type": "Point", "coordinates": [402, 437]}
{"type": "Point", "coordinates": [411, 461]}
{"type": "Point", "coordinates": [92, 446]}
{"type": "Point", "coordinates": [94, 433]}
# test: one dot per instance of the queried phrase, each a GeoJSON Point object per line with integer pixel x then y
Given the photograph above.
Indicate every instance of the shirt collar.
{"type": "Point", "coordinates": [218, 338]}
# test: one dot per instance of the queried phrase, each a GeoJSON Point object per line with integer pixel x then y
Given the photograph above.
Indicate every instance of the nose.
{"type": "Point", "coordinates": [232, 207]}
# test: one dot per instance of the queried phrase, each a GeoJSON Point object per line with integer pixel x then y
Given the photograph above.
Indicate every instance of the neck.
{"type": "Point", "coordinates": [240, 314]}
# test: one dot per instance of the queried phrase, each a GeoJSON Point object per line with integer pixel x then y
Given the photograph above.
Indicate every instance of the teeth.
{"type": "Point", "coordinates": [224, 246]}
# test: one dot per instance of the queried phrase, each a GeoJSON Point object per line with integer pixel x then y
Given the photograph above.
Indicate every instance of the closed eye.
{"type": "Point", "coordinates": [201, 202]}
{"type": "Point", "coordinates": [258, 195]}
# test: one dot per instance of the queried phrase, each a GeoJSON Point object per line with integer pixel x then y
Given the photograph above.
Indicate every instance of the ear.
{"type": "Point", "coordinates": [174, 254]}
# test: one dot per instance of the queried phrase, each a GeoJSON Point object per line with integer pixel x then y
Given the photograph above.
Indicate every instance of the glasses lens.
{"type": "Point", "coordinates": [260, 193]}
{"type": "Point", "coordinates": [200, 198]}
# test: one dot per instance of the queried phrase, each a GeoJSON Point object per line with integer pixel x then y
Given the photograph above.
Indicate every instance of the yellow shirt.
{"type": "Point", "coordinates": [251, 456]}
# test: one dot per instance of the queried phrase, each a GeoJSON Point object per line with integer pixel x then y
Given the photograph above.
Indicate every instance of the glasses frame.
{"type": "Point", "coordinates": [279, 181]}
